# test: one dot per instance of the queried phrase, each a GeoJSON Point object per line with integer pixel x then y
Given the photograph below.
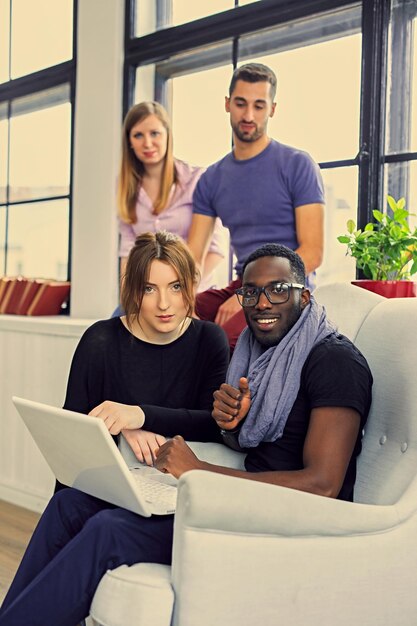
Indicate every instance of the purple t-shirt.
{"type": "Point", "coordinates": [256, 198]}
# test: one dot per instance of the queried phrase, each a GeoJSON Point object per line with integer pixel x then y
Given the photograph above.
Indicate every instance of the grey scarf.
{"type": "Point", "coordinates": [274, 374]}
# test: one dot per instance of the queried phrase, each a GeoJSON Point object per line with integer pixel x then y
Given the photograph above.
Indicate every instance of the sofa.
{"type": "Point", "coordinates": [253, 553]}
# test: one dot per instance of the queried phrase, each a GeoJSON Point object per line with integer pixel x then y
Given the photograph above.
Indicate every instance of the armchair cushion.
{"type": "Point", "coordinates": [127, 596]}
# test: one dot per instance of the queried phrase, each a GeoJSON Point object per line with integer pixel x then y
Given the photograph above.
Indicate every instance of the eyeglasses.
{"type": "Point", "coordinates": [276, 293]}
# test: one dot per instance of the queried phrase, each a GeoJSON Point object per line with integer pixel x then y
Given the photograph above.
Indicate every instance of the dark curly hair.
{"type": "Point", "coordinates": [276, 249]}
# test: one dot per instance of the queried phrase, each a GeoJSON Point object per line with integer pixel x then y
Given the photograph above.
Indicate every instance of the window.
{"type": "Point", "coordinates": [45, 28]}
{"type": "Point", "coordinates": [36, 137]}
{"type": "Point", "coordinates": [400, 154]}
{"type": "Point", "coordinates": [318, 111]}
{"type": "Point", "coordinates": [333, 66]}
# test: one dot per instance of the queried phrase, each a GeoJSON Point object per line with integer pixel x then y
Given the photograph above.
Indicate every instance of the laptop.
{"type": "Point", "coordinates": [82, 454]}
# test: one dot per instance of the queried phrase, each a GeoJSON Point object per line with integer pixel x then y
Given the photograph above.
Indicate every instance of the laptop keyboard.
{"type": "Point", "coordinates": [156, 492]}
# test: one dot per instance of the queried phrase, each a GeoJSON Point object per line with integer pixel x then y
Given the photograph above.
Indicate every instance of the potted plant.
{"type": "Point", "coordinates": [386, 251]}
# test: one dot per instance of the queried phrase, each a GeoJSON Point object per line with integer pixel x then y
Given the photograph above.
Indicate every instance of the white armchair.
{"type": "Point", "coordinates": [247, 552]}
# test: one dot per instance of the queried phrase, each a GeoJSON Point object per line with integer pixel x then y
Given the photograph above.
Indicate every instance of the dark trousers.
{"type": "Point", "coordinates": [77, 540]}
{"type": "Point", "coordinates": [207, 304]}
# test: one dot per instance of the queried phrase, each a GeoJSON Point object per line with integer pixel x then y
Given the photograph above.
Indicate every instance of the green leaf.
{"type": "Point", "coordinates": [400, 214]}
{"type": "Point", "coordinates": [350, 226]}
{"type": "Point", "coordinates": [378, 215]}
{"type": "Point", "coordinates": [401, 203]}
{"type": "Point", "coordinates": [369, 226]}
{"type": "Point", "coordinates": [391, 203]}
{"type": "Point", "coordinates": [343, 239]}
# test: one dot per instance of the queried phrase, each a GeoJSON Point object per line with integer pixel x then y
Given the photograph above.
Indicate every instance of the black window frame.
{"type": "Point", "coordinates": [42, 80]}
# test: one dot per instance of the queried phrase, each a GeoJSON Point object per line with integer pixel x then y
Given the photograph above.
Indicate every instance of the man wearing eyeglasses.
{"type": "Point", "coordinates": [297, 394]}
{"type": "Point", "coordinates": [262, 191]}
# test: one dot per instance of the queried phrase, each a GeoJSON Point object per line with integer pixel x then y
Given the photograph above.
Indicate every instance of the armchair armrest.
{"type": "Point", "coordinates": [248, 552]}
{"type": "Point", "coordinates": [236, 505]}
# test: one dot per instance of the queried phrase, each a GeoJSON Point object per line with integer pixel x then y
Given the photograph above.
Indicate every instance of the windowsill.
{"type": "Point", "coordinates": [45, 325]}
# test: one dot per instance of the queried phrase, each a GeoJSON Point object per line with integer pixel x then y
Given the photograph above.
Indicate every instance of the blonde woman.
{"type": "Point", "coordinates": [155, 190]}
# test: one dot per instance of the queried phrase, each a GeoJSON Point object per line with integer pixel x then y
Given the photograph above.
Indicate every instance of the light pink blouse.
{"type": "Point", "coordinates": [176, 217]}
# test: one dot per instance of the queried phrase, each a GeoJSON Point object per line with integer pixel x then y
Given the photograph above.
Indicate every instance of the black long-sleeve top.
{"type": "Point", "coordinates": [172, 383]}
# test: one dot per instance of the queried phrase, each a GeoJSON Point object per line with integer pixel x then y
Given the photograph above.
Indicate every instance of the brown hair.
{"type": "Point", "coordinates": [132, 169]}
{"type": "Point", "coordinates": [162, 246]}
{"type": "Point", "coordinates": [254, 73]}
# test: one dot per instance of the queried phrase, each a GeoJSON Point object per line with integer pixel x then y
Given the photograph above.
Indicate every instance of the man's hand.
{"type": "Point", "coordinates": [118, 416]}
{"type": "Point", "coordinates": [231, 405]}
{"type": "Point", "coordinates": [144, 444]}
{"type": "Point", "coordinates": [175, 457]}
{"type": "Point", "coordinates": [226, 310]}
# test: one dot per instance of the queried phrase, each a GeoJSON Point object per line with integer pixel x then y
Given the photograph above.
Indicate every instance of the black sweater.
{"type": "Point", "coordinates": [172, 383]}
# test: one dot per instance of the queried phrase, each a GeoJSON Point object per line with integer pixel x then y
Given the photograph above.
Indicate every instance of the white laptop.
{"type": "Point", "coordinates": [82, 454]}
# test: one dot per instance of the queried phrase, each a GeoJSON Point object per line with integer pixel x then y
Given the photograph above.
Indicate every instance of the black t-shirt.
{"type": "Point", "coordinates": [334, 374]}
{"type": "Point", "coordinates": [172, 383]}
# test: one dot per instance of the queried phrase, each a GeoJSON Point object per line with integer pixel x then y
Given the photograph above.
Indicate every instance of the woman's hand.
{"type": "Point", "coordinates": [118, 417]}
{"type": "Point", "coordinates": [144, 444]}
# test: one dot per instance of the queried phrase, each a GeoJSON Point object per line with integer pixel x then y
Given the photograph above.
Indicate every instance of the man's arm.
{"type": "Point", "coordinates": [199, 236]}
{"type": "Point", "coordinates": [327, 451]}
{"type": "Point", "coordinates": [309, 220]}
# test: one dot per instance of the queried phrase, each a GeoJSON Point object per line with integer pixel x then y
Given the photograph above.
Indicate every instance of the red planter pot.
{"type": "Point", "coordinates": [389, 288]}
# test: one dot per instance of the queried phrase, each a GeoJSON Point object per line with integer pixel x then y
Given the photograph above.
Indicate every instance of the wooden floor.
{"type": "Point", "coordinates": [16, 527]}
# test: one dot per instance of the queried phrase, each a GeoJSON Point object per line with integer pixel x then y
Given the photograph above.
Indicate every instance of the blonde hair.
{"type": "Point", "coordinates": [162, 246]}
{"type": "Point", "coordinates": [132, 169]}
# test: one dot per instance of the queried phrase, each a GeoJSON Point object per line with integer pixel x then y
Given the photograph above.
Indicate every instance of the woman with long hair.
{"type": "Point", "coordinates": [155, 189]}
{"type": "Point", "coordinates": [148, 375]}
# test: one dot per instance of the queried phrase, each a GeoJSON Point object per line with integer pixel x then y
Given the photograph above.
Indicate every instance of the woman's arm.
{"type": "Point", "coordinates": [85, 380]}
{"type": "Point", "coordinates": [196, 424]}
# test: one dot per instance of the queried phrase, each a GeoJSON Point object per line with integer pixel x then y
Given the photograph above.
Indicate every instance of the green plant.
{"type": "Point", "coordinates": [387, 248]}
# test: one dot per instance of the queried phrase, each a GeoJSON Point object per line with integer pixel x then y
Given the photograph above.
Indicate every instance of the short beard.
{"type": "Point", "coordinates": [270, 340]}
{"type": "Point", "coordinates": [245, 136]}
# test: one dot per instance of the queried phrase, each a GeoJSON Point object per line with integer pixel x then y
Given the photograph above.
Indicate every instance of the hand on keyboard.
{"type": "Point", "coordinates": [144, 444]}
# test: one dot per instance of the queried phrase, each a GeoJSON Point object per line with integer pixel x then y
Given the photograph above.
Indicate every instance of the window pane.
{"type": "Point", "coordinates": [145, 17]}
{"type": "Point", "coordinates": [145, 83]}
{"type": "Point", "coordinates": [2, 239]}
{"type": "Point", "coordinates": [202, 133]}
{"type": "Point", "coordinates": [186, 11]}
{"type": "Point", "coordinates": [3, 158]}
{"type": "Point", "coordinates": [412, 195]}
{"type": "Point", "coordinates": [401, 126]}
{"type": "Point", "coordinates": [341, 185]}
{"type": "Point", "coordinates": [413, 133]}
{"type": "Point", "coordinates": [44, 28]}
{"type": "Point", "coordinates": [40, 153]}
{"type": "Point", "coordinates": [4, 39]}
{"type": "Point", "coordinates": [201, 126]}
{"type": "Point", "coordinates": [400, 181]}
{"type": "Point", "coordinates": [182, 11]}
{"type": "Point", "coordinates": [38, 239]}
{"type": "Point", "coordinates": [318, 98]}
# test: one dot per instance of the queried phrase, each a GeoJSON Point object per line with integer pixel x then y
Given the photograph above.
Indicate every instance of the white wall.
{"type": "Point", "coordinates": [98, 120]}
{"type": "Point", "coordinates": [36, 356]}
{"type": "Point", "coordinates": [36, 353]}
